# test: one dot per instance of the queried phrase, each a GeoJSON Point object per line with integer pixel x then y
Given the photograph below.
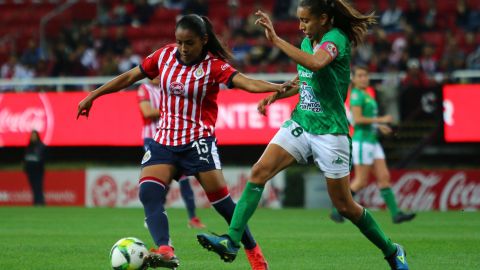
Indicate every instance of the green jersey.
{"type": "Point", "coordinates": [364, 132]}
{"type": "Point", "coordinates": [321, 109]}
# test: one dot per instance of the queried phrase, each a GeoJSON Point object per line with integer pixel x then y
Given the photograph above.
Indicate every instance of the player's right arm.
{"type": "Point", "coordinates": [118, 83]}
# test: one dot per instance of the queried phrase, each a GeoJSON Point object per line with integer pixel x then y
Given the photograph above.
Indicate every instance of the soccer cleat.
{"type": "Point", "coordinates": [398, 260]}
{"type": "Point", "coordinates": [220, 244]}
{"type": "Point", "coordinates": [402, 217]}
{"type": "Point", "coordinates": [195, 223]}
{"type": "Point", "coordinates": [336, 217]}
{"type": "Point", "coordinates": [162, 257]}
{"type": "Point", "coordinates": [256, 259]}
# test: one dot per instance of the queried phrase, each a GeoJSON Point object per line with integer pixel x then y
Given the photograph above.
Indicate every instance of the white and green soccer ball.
{"type": "Point", "coordinates": [128, 254]}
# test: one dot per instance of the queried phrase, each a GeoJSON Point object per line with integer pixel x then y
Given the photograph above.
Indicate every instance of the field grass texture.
{"type": "Point", "coordinates": [47, 238]}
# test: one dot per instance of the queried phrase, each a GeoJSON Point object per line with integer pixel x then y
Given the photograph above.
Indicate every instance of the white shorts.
{"type": "Point", "coordinates": [331, 153]}
{"type": "Point", "coordinates": [364, 153]}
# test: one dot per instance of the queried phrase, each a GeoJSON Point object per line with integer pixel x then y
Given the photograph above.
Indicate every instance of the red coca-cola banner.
{"type": "Point", "coordinates": [115, 119]}
{"type": "Point", "coordinates": [428, 190]}
{"type": "Point", "coordinates": [460, 113]}
{"type": "Point", "coordinates": [61, 188]}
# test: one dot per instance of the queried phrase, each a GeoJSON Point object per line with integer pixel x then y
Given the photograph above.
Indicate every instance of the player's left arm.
{"type": "Point", "coordinates": [248, 84]}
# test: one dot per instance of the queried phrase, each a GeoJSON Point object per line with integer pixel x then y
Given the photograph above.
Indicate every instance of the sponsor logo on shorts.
{"type": "Point", "coordinates": [146, 156]}
{"type": "Point", "coordinates": [337, 161]}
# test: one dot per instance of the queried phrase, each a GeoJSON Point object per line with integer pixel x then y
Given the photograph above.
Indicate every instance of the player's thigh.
{"type": "Point", "coordinates": [332, 154]}
{"type": "Point", "coordinates": [211, 181]}
{"type": "Point", "coordinates": [273, 160]}
{"type": "Point", "coordinates": [158, 162]}
{"type": "Point", "coordinates": [163, 172]}
{"type": "Point", "coordinates": [293, 140]}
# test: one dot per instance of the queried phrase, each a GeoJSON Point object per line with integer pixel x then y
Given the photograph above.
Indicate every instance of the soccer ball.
{"type": "Point", "coordinates": [128, 254]}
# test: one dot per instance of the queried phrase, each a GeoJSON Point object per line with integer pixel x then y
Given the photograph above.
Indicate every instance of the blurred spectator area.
{"type": "Point", "coordinates": [85, 31]}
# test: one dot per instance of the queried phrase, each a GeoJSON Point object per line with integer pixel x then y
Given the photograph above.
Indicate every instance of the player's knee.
{"type": "Point", "coordinates": [150, 193]}
{"type": "Point", "coordinates": [260, 173]}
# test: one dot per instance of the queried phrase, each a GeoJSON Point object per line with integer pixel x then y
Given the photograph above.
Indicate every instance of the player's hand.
{"type": "Point", "coordinates": [385, 130]}
{"type": "Point", "coordinates": [265, 21]}
{"type": "Point", "coordinates": [84, 107]}
{"type": "Point", "coordinates": [288, 85]}
{"type": "Point", "coordinates": [262, 104]}
{"type": "Point", "coordinates": [386, 119]}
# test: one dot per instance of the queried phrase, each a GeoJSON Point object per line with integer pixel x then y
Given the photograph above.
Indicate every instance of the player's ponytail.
{"type": "Point", "coordinates": [343, 16]}
{"type": "Point", "coordinates": [214, 45]}
{"type": "Point", "coordinates": [202, 26]}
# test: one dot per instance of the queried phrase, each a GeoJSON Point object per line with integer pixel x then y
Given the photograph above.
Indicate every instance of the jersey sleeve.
{"type": "Point", "coordinates": [143, 94]}
{"type": "Point", "coordinates": [149, 66]}
{"type": "Point", "coordinates": [223, 72]}
{"type": "Point", "coordinates": [332, 43]}
{"type": "Point", "coordinates": [356, 98]}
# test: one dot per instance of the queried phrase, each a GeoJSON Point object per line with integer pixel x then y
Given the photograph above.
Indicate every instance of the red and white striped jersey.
{"type": "Point", "coordinates": [188, 94]}
{"type": "Point", "coordinates": [149, 93]}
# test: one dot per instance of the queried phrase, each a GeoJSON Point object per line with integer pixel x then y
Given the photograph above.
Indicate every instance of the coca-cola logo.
{"type": "Point", "coordinates": [104, 191]}
{"type": "Point", "coordinates": [460, 194]}
{"type": "Point", "coordinates": [18, 119]}
{"type": "Point", "coordinates": [422, 190]}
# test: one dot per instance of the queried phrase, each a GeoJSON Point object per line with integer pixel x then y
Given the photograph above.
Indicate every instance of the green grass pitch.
{"type": "Point", "coordinates": [80, 238]}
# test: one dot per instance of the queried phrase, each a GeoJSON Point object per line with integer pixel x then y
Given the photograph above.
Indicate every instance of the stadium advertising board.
{"type": "Point", "coordinates": [460, 113]}
{"type": "Point", "coordinates": [428, 190]}
{"type": "Point", "coordinates": [61, 188]}
{"type": "Point", "coordinates": [118, 187]}
{"type": "Point", "coordinates": [115, 120]}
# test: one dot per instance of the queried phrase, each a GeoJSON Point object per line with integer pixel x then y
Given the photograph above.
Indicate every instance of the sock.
{"type": "Point", "coordinates": [244, 210]}
{"type": "Point", "coordinates": [389, 198]}
{"type": "Point", "coordinates": [225, 206]}
{"type": "Point", "coordinates": [152, 195]}
{"type": "Point", "coordinates": [187, 195]}
{"type": "Point", "coordinates": [369, 227]}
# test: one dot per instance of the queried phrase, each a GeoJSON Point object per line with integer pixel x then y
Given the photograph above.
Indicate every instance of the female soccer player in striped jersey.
{"type": "Point", "coordinates": [318, 126]}
{"type": "Point", "coordinates": [190, 72]}
{"type": "Point", "coordinates": [148, 95]}
{"type": "Point", "coordinates": [367, 152]}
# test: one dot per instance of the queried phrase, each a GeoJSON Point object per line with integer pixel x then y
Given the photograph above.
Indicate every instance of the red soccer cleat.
{"type": "Point", "coordinates": [162, 257]}
{"type": "Point", "coordinates": [256, 258]}
{"type": "Point", "coordinates": [195, 223]}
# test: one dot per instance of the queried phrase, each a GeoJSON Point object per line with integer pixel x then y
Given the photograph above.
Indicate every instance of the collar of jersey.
{"type": "Point", "coordinates": [198, 61]}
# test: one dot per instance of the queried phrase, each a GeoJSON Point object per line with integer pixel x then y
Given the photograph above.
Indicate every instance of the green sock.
{"type": "Point", "coordinates": [245, 208]}
{"type": "Point", "coordinates": [389, 198]}
{"type": "Point", "coordinates": [369, 227]}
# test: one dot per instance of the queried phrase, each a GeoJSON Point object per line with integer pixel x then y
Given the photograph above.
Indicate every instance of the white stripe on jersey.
{"type": "Point", "coordinates": [185, 106]}
{"type": "Point", "coordinates": [163, 96]}
{"type": "Point", "coordinates": [204, 92]}
{"type": "Point", "coordinates": [177, 108]}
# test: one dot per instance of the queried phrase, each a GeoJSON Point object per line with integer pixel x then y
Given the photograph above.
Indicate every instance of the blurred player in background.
{"type": "Point", "coordinates": [148, 95]}
{"type": "Point", "coordinates": [190, 73]}
{"type": "Point", "coordinates": [367, 152]}
{"type": "Point", "coordinates": [34, 166]}
{"type": "Point", "coordinates": [318, 126]}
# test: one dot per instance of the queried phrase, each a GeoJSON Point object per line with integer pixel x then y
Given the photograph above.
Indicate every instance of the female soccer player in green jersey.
{"type": "Point", "coordinates": [367, 152]}
{"type": "Point", "coordinates": [318, 126]}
